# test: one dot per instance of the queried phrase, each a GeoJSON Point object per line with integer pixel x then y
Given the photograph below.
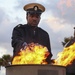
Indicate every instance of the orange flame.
{"type": "Point", "coordinates": [66, 57]}
{"type": "Point", "coordinates": [33, 54]}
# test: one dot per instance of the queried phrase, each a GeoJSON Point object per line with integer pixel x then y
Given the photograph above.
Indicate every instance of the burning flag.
{"type": "Point", "coordinates": [66, 57]}
{"type": "Point", "coordinates": [32, 54]}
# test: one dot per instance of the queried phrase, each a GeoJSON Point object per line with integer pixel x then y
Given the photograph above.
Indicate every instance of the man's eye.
{"type": "Point", "coordinates": [37, 16]}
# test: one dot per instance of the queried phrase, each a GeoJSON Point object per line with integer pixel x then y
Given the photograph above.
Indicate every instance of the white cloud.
{"type": "Point", "coordinates": [55, 24]}
{"type": "Point", "coordinates": [2, 51]}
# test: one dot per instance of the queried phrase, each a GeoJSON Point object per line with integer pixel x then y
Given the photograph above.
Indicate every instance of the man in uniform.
{"type": "Point", "coordinates": [25, 34]}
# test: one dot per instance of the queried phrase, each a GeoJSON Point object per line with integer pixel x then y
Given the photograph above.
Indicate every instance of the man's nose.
{"type": "Point", "coordinates": [35, 18]}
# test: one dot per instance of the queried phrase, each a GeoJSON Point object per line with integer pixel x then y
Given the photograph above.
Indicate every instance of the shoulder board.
{"type": "Point", "coordinates": [19, 25]}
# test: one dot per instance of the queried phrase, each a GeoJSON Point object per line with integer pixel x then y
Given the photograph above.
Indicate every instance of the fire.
{"type": "Point", "coordinates": [32, 54]}
{"type": "Point", "coordinates": [66, 57]}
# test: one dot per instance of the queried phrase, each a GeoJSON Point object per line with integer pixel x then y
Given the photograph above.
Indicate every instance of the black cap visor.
{"type": "Point", "coordinates": [34, 13]}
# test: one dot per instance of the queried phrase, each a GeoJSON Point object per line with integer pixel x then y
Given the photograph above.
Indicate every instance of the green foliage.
{"type": "Point", "coordinates": [4, 61]}
{"type": "Point", "coordinates": [1, 61]}
{"type": "Point", "coordinates": [66, 40]}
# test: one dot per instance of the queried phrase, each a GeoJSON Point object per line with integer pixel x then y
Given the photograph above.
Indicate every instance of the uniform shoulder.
{"type": "Point", "coordinates": [20, 26]}
{"type": "Point", "coordinates": [43, 30]}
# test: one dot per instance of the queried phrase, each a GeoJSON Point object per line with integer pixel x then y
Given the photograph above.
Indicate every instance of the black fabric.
{"type": "Point", "coordinates": [29, 34]}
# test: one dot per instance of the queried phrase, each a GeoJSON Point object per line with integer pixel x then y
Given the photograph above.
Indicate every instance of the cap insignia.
{"type": "Point", "coordinates": [35, 8]}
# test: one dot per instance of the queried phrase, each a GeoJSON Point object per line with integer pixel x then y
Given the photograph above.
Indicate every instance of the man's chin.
{"type": "Point", "coordinates": [34, 24]}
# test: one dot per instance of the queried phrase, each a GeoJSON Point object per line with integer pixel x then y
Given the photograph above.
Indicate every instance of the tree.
{"type": "Point", "coordinates": [1, 61]}
{"type": "Point", "coordinates": [66, 40]}
{"type": "Point", "coordinates": [5, 60]}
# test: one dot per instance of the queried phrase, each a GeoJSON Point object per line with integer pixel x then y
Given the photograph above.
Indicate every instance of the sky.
{"type": "Point", "coordinates": [57, 20]}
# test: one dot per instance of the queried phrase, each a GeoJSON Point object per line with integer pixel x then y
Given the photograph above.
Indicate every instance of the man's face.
{"type": "Point", "coordinates": [33, 19]}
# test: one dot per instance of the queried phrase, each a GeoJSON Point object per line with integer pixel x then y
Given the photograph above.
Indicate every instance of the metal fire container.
{"type": "Point", "coordinates": [70, 69]}
{"type": "Point", "coordinates": [35, 70]}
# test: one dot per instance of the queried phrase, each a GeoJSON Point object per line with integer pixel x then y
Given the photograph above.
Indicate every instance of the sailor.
{"type": "Point", "coordinates": [24, 34]}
